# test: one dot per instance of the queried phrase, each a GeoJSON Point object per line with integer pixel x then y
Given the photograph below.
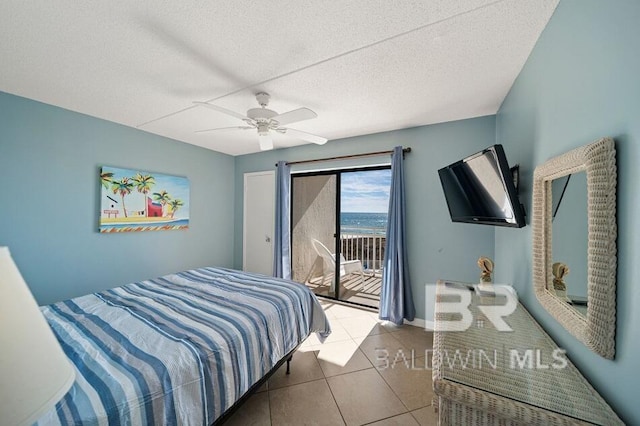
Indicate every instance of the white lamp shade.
{"type": "Point", "coordinates": [34, 371]}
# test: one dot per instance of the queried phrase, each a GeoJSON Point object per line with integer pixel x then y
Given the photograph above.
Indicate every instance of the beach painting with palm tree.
{"type": "Point", "coordinates": [134, 200]}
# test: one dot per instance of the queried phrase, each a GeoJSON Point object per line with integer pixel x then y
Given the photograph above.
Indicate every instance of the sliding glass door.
{"type": "Point", "coordinates": [338, 227]}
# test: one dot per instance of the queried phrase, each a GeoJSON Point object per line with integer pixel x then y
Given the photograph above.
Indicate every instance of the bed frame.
{"type": "Point", "coordinates": [231, 410]}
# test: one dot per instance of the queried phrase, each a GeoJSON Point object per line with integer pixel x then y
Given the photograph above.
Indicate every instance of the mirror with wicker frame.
{"type": "Point", "coordinates": [598, 160]}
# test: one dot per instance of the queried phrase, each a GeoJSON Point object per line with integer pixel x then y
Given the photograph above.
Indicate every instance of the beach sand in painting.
{"type": "Point", "coordinates": [135, 219]}
{"type": "Point", "coordinates": [138, 228]}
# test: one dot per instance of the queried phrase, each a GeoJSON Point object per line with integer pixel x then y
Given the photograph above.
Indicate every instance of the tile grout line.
{"type": "Point", "coordinates": [269, 405]}
{"type": "Point", "coordinates": [377, 371]}
{"type": "Point", "coordinates": [335, 401]}
{"type": "Point", "coordinates": [331, 390]}
{"type": "Point", "coordinates": [394, 392]}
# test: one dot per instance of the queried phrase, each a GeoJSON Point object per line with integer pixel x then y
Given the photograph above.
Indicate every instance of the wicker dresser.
{"type": "Point", "coordinates": [482, 376]}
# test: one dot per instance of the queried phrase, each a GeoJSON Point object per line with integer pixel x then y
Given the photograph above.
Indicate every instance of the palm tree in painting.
{"type": "Point", "coordinates": [122, 187]}
{"type": "Point", "coordinates": [106, 178]}
{"type": "Point", "coordinates": [175, 205]}
{"type": "Point", "coordinates": [163, 198]}
{"type": "Point", "coordinates": [143, 184]}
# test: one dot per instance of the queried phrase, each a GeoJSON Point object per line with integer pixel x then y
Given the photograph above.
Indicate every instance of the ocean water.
{"type": "Point", "coordinates": [376, 223]}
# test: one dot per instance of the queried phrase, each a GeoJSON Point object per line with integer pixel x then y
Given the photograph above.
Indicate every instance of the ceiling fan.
{"type": "Point", "coordinates": [266, 120]}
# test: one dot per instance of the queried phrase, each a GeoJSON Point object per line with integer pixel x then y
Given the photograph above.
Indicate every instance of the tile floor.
{"type": "Point", "coordinates": [364, 373]}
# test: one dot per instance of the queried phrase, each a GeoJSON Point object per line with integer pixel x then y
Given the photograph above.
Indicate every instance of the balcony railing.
{"type": "Point", "coordinates": [366, 244]}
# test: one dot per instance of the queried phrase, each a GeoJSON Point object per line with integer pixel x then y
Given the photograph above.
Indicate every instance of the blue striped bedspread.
{"type": "Point", "coordinates": [179, 349]}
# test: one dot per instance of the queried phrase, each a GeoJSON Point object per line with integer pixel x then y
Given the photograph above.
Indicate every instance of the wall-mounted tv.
{"type": "Point", "coordinates": [480, 189]}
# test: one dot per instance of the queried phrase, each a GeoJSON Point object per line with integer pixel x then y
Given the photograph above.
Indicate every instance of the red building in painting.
{"type": "Point", "coordinates": [153, 209]}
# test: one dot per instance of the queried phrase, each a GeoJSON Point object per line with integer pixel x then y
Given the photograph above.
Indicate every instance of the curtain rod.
{"type": "Point", "coordinates": [342, 157]}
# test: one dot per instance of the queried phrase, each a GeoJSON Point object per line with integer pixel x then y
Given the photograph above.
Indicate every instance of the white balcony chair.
{"type": "Point", "coordinates": [347, 267]}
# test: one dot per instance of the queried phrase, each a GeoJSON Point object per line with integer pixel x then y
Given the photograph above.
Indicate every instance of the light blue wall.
{"type": "Point", "coordinates": [438, 248]}
{"type": "Point", "coordinates": [49, 198]}
{"type": "Point", "coordinates": [582, 82]}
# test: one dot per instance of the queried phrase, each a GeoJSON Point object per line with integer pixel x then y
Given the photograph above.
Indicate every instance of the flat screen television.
{"type": "Point", "coordinates": [480, 189]}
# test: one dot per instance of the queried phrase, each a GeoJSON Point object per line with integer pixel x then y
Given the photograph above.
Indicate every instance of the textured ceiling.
{"type": "Point", "coordinates": [363, 66]}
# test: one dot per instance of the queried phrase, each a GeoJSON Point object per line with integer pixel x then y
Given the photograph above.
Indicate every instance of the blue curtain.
{"type": "Point", "coordinates": [396, 298]}
{"type": "Point", "coordinates": [281, 240]}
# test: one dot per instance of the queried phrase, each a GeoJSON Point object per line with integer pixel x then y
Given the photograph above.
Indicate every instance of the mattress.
{"type": "Point", "coordinates": [179, 349]}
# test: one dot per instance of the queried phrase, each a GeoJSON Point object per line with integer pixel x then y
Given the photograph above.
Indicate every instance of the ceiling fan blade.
{"type": "Point", "coordinates": [223, 110]}
{"type": "Point", "coordinates": [225, 128]}
{"type": "Point", "coordinates": [266, 142]}
{"type": "Point", "coordinates": [294, 116]}
{"type": "Point", "coordinates": [307, 136]}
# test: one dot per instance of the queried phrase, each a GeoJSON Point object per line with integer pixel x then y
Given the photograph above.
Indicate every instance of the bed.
{"type": "Point", "coordinates": [179, 349]}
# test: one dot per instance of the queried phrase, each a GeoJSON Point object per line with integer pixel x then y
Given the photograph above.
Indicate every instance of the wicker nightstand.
{"type": "Point", "coordinates": [482, 376]}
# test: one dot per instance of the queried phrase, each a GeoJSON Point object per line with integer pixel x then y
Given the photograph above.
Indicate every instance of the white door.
{"type": "Point", "coordinates": [259, 211]}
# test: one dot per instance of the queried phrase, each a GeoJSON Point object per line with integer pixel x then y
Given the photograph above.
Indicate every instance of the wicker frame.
{"type": "Point", "coordinates": [598, 159]}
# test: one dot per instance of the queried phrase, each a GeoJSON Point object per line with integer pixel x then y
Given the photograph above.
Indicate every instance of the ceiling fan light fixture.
{"type": "Point", "coordinates": [264, 138]}
{"type": "Point", "coordinates": [265, 141]}
{"type": "Point", "coordinates": [263, 129]}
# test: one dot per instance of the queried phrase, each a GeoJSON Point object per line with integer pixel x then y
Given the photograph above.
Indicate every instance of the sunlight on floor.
{"type": "Point", "coordinates": [338, 353]}
{"type": "Point", "coordinates": [347, 324]}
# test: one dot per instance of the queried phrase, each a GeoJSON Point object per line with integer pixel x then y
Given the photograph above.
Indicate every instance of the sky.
{"type": "Point", "coordinates": [366, 191]}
